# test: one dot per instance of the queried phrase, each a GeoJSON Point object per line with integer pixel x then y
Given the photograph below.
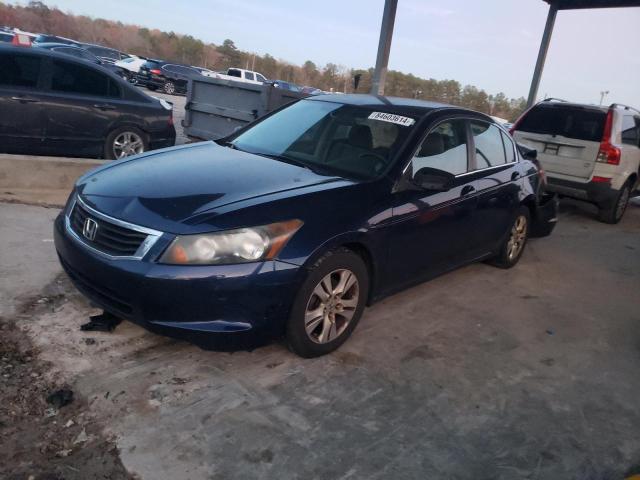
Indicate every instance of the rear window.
{"type": "Point", "coordinates": [149, 64]}
{"type": "Point", "coordinates": [567, 121]}
{"type": "Point", "coordinates": [74, 78]}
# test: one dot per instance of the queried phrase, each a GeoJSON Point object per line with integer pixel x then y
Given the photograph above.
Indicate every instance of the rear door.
{"type": "Point", "coordinates": [497, 177]}
{"type": "Point", "coordinates": [81, 103]}
{"type": "Point", "coordinates": [567, 138]}
{"type": "Point", "coordinates": [21, 117]}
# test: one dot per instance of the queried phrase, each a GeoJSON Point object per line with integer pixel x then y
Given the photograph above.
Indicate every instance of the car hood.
{"type": "Point", "coordinates": [170, 188]}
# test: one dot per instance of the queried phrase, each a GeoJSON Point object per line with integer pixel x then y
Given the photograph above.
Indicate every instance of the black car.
{"type": "Point", "coordinates": [45, 38]}
{"type": "Point", "coordinates": [53, 104]}
{"type": "Point", "coordinates": [81, 53]}
{"type": "Point", "coordinates": [292, 225]}
{"type": "Point", "coordinates": [169, 77]}
{"type": "Point", "coordinates": [105, 54]}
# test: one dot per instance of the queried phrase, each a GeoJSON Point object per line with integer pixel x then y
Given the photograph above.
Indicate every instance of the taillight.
{"type": "Point", "coordinates": [608, 153]}
{"type": "Point", "coordinates": [171, 118]}
{"type": "Point", "coordinates": [601, 180]}
{"type": "Point", "coordinates": [155, 71]}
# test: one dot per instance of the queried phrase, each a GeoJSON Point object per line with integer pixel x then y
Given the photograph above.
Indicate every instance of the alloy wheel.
{"type": "Point", "coordinates": [622, 203]}
{"type": "Point", "coordinates": [518, 238]}
{"type": "Point", "coordinates": [127, 143]}
{"type": "Point", "coordinates": [331, 306]}
{"type": "Point", "coordinates": [169, 88]}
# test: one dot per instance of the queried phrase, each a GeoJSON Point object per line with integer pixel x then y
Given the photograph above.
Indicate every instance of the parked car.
{"type": "Point", "coordinates": [171, 78]}
{"type": "Point", "coordinates": [6, 37]}
{"type": "Point", "coordinates": [45, 38]}
{"type": "Point", "coordinates": [107, 55]}
{"type": "Point", "coordinates": [55, 104]}
{"type": "Point", "coordinates": [130, 67]}
{"type": "Point", "coordinates": [206, 72]}
{"type": "Point", "coordinates": [80, 53]}
{"type": "Point", "coordinates": [285, 85]}
{"type": "Point", "coordinates": [589, 152]}
{"type": "Point", "coordinates": [311, 90]}
{"type": "Point", "coordinates": [242, 75]}
{"type": "Point", "coordinates": [293, 224]}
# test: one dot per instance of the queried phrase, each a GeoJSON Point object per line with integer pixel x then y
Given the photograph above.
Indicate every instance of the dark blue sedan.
{"type": "Point", "coordinates": [295, 223]}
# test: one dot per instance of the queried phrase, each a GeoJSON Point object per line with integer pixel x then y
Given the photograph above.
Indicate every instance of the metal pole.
{"type": "Point", "coordinates": [384, 47]}
{"type": "Point", "coordinates": [542, 54]}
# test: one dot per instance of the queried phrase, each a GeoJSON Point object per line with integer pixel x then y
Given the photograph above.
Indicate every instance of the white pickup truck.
{"type": "Point", "coordinates": [241, 75]}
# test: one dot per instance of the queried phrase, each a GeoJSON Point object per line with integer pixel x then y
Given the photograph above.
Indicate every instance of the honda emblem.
{"type": "Point", "coordinates": [89, 229]}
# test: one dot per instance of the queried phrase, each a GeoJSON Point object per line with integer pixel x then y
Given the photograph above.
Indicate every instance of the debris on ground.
{"type": "Point", "coordinates": [60, 398]}
{"type": "Point", "coordinates": [105, 322]}
{"type": "Point", "coordinates": [40, 416]}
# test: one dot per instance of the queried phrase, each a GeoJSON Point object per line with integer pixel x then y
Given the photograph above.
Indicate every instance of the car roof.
{"type": "Point", "coordinates": [398, 104]}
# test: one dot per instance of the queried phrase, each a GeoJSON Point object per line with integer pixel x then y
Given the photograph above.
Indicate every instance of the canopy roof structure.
{"type": "Point", "coordinates": [554, 6]}
{"type": "Point", "coordinates": [388, 20]}
{"type": "Point", "coordinates": [579, 4]}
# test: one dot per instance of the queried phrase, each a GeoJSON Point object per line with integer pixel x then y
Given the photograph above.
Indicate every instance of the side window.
{"type": "Point", "coordinates": [19, 70]}
{"type": "Point", "coordinates": [630, 133]}
{"type": "Point", "coordinates": [249, 76]}
{"type": "Point", "coordinates": [73, 78]}
{"type": "Point", "coordinates": [260, 78]}
{"type": "Point", "coordinates": [489, 147]}
{"type": "Point", "coordinates": [508, 147]}
{"type": "Point", "coordinates": [445, 148]}
{"type": "Point", "coordinates": [234, 72]}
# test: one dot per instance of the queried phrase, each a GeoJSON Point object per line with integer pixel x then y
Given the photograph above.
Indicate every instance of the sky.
{"type": "Point", "coordinates": [492, 44]}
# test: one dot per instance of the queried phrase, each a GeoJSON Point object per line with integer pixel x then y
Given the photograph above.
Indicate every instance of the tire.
{"type": "Point", "coordinates": [507, 257]}
{"type": "Point", "coordinates": [612, 213]}
{"type": "Point", "coordinates": [169, 88]}
{"type": "Point", "coordinates": [311, 335]}
{"type": "Point", "coordinates": [135, 135]}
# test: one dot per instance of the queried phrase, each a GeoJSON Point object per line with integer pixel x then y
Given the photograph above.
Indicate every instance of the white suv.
{"type": "Point", "coordinates": [588, 152]}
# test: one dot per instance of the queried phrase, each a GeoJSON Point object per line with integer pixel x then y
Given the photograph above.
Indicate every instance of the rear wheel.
{"type": "Point", "coordinates": [329, 304]}
{"type": "Point", "coordinates": [612, 213]}
{"type": "Point", "coordinates": [124, 142]}
{"type": "Point", "coordinates": [169, 87]}
{"type": "Point", "coordinates": [512, 248]}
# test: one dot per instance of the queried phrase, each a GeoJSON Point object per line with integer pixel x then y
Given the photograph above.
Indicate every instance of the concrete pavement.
{"type": "Point", "coordinates": [483, 373]}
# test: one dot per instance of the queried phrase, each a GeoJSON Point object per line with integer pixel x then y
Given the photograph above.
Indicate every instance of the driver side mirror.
{"type": "Point", "coordinates": [433, 179]}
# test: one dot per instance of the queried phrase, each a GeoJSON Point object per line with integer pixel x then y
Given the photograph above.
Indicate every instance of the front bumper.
{"type": "Point", "coordinates": [222, 307]}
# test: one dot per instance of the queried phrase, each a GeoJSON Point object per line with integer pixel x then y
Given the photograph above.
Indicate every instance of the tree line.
{"type": "Point", "coordinates": [38, 17]}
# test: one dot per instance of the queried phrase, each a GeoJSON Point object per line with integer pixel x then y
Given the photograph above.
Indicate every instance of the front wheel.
{"type": "Point", "coordinates": [511, 250]}
{"type": "Point", "coordinates": [613, 213]}
{"type": "Point", "coordinates": [328, 305]}
{"type": "Point", "coordinates": [124, 142]}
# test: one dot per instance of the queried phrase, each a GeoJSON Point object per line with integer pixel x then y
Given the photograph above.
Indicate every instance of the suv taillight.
{"type": "Point", "coordinates": [608, 153]}
{"type": "Point", "coordinates": [155, 71]}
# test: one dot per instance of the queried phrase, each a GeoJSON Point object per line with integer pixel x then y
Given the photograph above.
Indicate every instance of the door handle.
{"type": "Point", "coordinates": [467, 190]}
{"type": "Point", "coordinates": [104, 106]}
{"type": "Point", "coordinates": [25, 99]}
{"type": "Point", "coordinates": [515, 176]}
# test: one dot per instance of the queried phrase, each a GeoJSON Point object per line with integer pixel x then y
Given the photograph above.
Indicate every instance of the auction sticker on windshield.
{"type": "Point", "coordinates": [391, 118]}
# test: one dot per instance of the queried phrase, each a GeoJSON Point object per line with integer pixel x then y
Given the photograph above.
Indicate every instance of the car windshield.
{"type": "Point", "coordinates": [332, 138]}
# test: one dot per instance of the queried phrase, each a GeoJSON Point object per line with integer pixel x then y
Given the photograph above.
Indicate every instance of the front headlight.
{"type": "Point", "coordinates": [231, 246]}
